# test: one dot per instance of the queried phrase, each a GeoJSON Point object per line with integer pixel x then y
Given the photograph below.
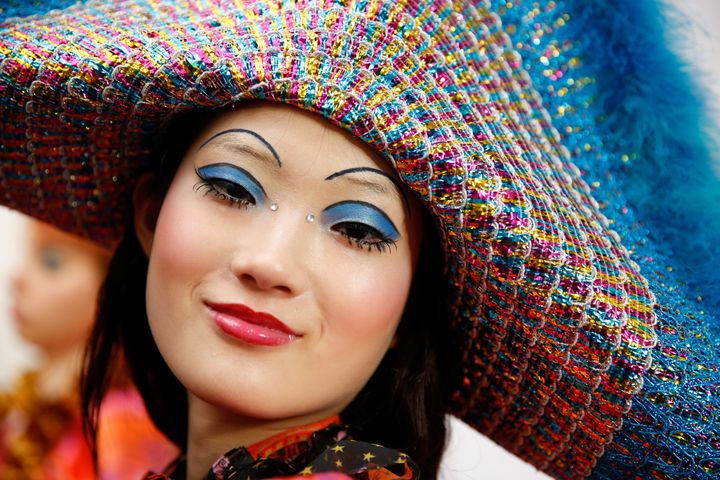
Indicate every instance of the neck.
{"type": "Point", "coordinates": [213, 431]}
{"type": "Point", "coordinates": [58, 374]}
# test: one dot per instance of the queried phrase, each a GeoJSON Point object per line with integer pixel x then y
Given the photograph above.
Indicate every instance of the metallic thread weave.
{"type": "Point", "coordinates": [672, 431]}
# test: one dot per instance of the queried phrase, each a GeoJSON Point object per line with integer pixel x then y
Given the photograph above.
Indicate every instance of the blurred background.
{"type": "Point", "coordinates": [15, 355]}
{"type": "Point", "coordinates": [693, 27]}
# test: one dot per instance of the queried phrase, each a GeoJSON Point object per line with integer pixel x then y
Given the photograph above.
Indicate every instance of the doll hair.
{"type": "Point", "coordinates": [402, 406]}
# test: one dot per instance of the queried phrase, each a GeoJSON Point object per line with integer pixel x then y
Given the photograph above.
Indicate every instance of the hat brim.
{"type": "Point", "coordinates": [554, 321]}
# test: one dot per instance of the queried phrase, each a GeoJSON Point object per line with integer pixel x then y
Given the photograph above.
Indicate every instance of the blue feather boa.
{"type": "Point", "coordinates": [654, 111]}
{"type": "Point", "coordinates": [645, 119]}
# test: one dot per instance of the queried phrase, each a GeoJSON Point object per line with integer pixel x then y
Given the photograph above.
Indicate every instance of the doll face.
{"type": "Point", "coordinates": [55, 290]}
{"type": "Point", "coordinates": [279, 265]}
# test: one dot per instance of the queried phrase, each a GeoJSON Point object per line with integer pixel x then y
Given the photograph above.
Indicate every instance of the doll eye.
{"type": "Point", "coordinates": [50, 259]}
{"type": "Point", "coordinates": [362, 224]}
{"type": "Point", "coordinates": [230, 183]}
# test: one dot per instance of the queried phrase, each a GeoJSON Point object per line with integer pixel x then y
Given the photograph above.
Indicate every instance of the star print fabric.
{"type": "Point", "coordinates": [328, 454]}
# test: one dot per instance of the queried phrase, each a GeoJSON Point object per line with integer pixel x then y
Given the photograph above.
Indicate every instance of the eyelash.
{"type": "Point", "coordinates": [212, 187]}
{"type": "Point", "coordinates": [382, 244]}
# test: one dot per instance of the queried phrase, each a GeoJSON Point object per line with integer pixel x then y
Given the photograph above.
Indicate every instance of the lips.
{"type": "Point", "coordinates": [17, 315]}
{"type": "Point", "coordinates": [245, 324]}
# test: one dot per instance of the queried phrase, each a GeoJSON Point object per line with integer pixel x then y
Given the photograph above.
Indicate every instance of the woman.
{"type": "Point", "coordinates": [551, 321]}
{"type": "Point", "coordinates": [273, 292]}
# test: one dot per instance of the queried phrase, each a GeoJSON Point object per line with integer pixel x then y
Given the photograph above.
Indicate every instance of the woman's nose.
{"type": "Point", "coordinates": [274, 257]}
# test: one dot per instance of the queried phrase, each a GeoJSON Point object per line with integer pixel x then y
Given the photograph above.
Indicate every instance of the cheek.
{"type": "Point", "coordinates": [184, 252]}
{"type": "Point", "coordinates": [369, 303]}
{"type": "Point", "coordinates": [80, 301]}
{"type": "Point", "coordinates": [64, 311]}
{"type": "Point", "coordinates": [181, 249]}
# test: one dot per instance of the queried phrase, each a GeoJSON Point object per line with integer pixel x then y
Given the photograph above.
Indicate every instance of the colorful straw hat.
{"type": "Point", "coordinates": [553, 319]}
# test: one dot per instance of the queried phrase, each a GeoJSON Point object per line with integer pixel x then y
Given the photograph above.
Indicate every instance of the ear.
{"type": "Point", "coordinates": [146, 203]}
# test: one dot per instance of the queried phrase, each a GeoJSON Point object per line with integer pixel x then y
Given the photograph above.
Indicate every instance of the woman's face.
{"type": "Point", "coordinates": [55, 290]}
{"type": "Point", "coordinates": [280, 264]}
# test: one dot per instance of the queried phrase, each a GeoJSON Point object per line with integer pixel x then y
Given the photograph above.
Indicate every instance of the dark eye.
{"type": "Point", "coordinates": [362, 224]}
{"type": "Point", "coordinates": [363, 235]}
{"type": "Point", "coordinates": [229, 191]}
{"type": "Point", "coordinates": [50, 259]}
{"type": "Point", "coordinates": [230, 183]}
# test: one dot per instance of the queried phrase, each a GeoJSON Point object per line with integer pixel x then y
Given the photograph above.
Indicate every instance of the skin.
{"type": "Point", "coordinates": [343, 299]}
{"type": "Point", "coordinates": [54, 294]}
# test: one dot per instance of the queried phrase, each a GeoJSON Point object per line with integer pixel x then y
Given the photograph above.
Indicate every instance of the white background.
{"type": "Point", "coordinates": [470, 456]}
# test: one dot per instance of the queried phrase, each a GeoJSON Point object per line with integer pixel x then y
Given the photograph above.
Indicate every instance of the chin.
{"type": "Point", "coordinates": [264, 404]}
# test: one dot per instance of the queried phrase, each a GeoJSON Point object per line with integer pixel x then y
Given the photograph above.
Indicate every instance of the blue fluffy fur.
{"type": "Point", "coordinates": [652, 107]}
{"type": "Point", "coordinates": [24, 8]}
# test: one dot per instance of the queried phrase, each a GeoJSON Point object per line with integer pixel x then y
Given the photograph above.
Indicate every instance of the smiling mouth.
{"type": "Point", "coordinates": [17, 315]}
{"type": "Point", "coordinates": [256, 328]}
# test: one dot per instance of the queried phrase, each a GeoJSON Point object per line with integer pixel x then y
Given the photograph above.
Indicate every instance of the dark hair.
{"type": "Point", "coordinates": [402, 406]}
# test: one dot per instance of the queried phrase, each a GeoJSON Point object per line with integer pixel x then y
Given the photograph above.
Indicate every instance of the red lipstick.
{"type": "Point", "coordinates": [19, 319]}
{"type": "Point", "coordinates": [256, 328]}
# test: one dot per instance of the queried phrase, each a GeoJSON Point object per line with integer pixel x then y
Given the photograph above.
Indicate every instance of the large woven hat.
{"type": "Point", "coordinates": [553, 319]}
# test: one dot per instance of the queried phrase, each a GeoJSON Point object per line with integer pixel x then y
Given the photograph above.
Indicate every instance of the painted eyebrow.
{"type": "Point", "coordinates": [394, 181]}
{"type": "Point", "coordinates": [253, 134]}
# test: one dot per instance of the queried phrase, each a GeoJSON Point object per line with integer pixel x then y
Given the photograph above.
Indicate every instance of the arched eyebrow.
{"type": "Point", "coordinates": [394, 181]}
{"type": "Point", "coordinates": [253, 134]}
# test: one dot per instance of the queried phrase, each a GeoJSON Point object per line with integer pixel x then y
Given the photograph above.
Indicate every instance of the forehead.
{"type": "Point", "coordinates": [294, 134]}
{"type": "Point", "coordinates": [43, 236]}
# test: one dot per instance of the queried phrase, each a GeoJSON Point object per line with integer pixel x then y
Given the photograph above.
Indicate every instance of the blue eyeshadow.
{"type": "Point", "coordinates": [233, 174]}
{"type": "Point", "coordinates": [360, 212]}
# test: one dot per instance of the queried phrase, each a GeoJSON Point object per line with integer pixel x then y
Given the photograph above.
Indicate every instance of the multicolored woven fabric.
{"type": "Point", "coordinates": [554, 320]}
{"type": "Point", "coordinates": [632, 123]}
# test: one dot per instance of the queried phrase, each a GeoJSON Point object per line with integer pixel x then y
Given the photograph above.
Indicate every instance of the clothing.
{"type": "Point", "coordinates": [41, 440]}
{"type": "Point", "coordinates": [321, 451]}
{"type": "Point", "coordinates": [33, 431]}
